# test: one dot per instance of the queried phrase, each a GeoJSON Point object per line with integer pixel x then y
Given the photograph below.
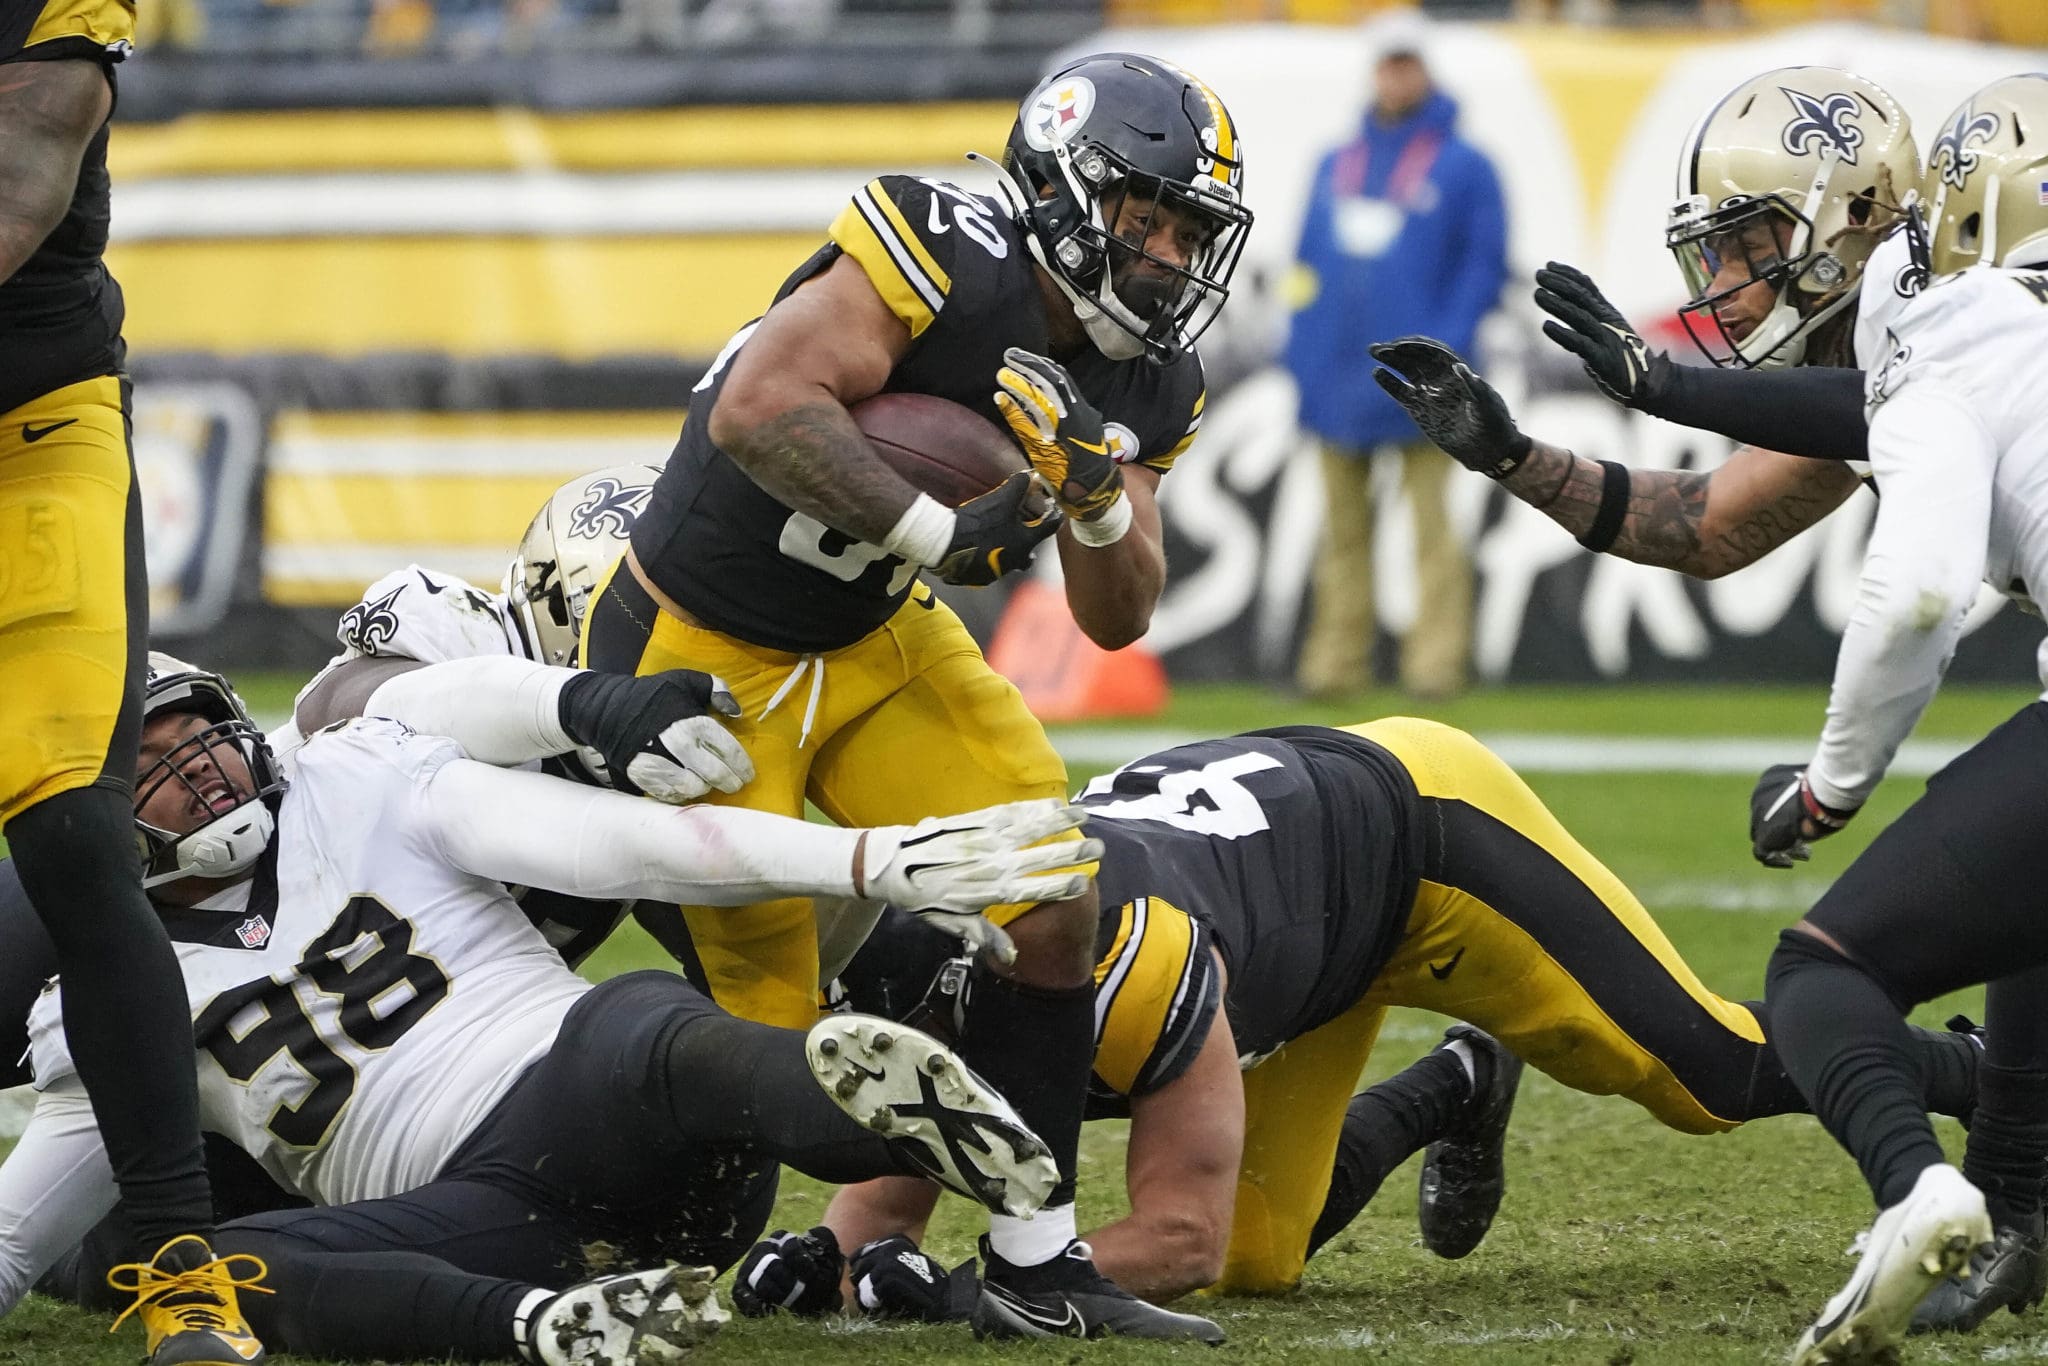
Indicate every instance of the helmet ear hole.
{"type": "Point", "coordinates": [1861, 204]}
{"type": "Point", "coordinates": [1970, 233]}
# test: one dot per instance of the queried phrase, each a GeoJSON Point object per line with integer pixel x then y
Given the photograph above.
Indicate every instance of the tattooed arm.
{"type": "Point", "coordinates": [782, 413]}
{"type": "Point", "coordinates": [1702, 524]}
{"type": "Point", "coordinates": [49, 112]}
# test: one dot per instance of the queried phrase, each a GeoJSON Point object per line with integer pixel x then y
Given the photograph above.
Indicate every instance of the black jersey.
{"type": "Point", "coordinates": [60, 314]}
{"type": "Point", "coordinates": [1292, 853]}
{"type": "Point", "coordinates": [1296, 850]}
{"type": "Point", "coordinates": [954, 267]}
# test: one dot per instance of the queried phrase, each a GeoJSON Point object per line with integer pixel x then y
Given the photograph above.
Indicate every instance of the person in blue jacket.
{"type": "Point", "coordinates": [1405, 232]}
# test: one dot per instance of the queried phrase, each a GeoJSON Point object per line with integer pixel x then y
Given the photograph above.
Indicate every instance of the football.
{"type": "Point", "coordinates": [941, 447]}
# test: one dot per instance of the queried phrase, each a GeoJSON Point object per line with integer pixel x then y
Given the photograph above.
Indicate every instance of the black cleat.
{"type": "Point", "coordinates": [1462, 1172]}
{"type": "Point", "coordinates": [1067, 1297]}
{"type": "Point", "coordinates": [2010, 1272]}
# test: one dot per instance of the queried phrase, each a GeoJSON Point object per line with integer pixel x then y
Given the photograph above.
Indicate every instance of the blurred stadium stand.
{"type": "Point", "coordinates": [395, 268]}
{"type": "Point", "coordinates": [485, 28]}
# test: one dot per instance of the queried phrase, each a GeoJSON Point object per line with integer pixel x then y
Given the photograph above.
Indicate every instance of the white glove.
{"type": "Point", "coordinates": [658, 736]}
{"type": "Point", "coordinates": [700, 755]}
{"type": "Point", "coordinates": [948, 869]}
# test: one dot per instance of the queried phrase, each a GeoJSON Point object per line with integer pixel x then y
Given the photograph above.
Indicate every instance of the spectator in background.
{"type": "Point", "coordinates": [1405, 232]}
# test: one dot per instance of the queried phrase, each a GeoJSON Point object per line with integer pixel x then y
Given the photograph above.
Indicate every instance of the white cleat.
{"type": "Point", "coordinates": [1911, 1249]}
{"type": "Point", "coordinates": [907, 1086]}
{"type": "Point", "coordinates": [644, 1318]}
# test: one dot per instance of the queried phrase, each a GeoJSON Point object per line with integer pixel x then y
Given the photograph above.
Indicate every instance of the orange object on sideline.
{"type": "Point", "coordinates": [1065, 676]}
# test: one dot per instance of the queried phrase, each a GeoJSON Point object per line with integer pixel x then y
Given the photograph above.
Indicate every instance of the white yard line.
{"type": "Point", "coordinates": [1536, 753]}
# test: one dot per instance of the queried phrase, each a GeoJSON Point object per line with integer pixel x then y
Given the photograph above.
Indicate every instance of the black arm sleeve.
{"type": "Point", "coordinates": [1812, 410]}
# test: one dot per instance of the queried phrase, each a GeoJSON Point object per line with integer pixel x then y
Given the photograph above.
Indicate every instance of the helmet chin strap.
{"type": "Point", "coordinates": [1098, 316]}
{"type": "Point", "coordinates": [225, 847]}
{"type": "Point", "coordinates": [1111, 328]}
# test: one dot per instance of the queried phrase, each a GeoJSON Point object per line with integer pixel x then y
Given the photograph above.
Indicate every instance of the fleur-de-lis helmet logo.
{"type": "Point", "coordinates": [610, 507]}
{"type": "Point", "coordinates": [1820, 122]}
{"type": "Point", "coordinates": [1955, 151]}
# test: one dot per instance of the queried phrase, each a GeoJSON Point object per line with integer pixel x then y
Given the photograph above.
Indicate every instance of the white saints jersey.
{"type": "Point", "coordinates": [1981, 334]}
{"type": "Point", "coordinates": [422, 614]}
{"type": "Point", "coordinates": [359, 1005]}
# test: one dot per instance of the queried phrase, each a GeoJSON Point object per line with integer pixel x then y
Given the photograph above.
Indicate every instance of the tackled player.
{"type": "Point", "coordinates": [382, 1029]}
{"type": "Point", "coordinates": [780, 553]}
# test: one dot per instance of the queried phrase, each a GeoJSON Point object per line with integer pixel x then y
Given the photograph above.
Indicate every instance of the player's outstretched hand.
{"type": "Point", "coordinates": [1061, 433]}
{"type": "Point", "coordinates": [949, 869]}
{"type": "Point", "coordinates": [1589, 327]}
{"type": "Point", "coordinates": [996, 534]}
{"type": "Point", "coordinates": [795, 1271]}
{"type": "Point", "coordinates": [1453, 406]}
{"type": "Point", "coordinates": [894, 1279]}
{"type": "Point", "coordinates": [659, 736]}
{"type": "Point", "coordinates": [1785, 818]}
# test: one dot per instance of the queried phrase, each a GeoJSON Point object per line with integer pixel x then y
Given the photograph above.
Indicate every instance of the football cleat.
{"type": "Point", "coordinates": [1068, 1298]}
{"type": "Point", "coordinates": [953, 1126]}
{"type": "Point", "coordinates": [643, 1318]}
{"type": "Point", "coordinates": [186, 1298]}
{"type": "Point", "coordinates": [1463, 1174]}
{"type": "Point", "coordinates": [1908, 1251]}
{"type": "Point", "coordinates": [2011, 1273]}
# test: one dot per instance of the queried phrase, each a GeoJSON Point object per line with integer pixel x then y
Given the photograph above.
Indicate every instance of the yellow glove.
{"type": "Point", "coordinates": [1061, 433]}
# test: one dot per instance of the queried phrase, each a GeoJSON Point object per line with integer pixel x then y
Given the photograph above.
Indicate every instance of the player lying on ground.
{"type": "Point", "coordinates": [380, 1027]}
{"type": "Point", "coordinates": [1304, 879]}
{"type": "Point", "coordinates": [414, 617]}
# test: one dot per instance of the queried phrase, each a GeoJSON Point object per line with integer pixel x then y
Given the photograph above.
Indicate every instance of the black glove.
{"type": "Point", "coordinates": [795, 1271]}
{"type": "Point", "coordinates": [1616, 356]}
{"type": "Point", "coordinates": [1061, 433]}
{"type": "Point", "coordinates": [996, 534]}
{"type": "Point", "coordinates": [1452, 405]}
{"type": "Point", "coordinates": [892, 1279]}
{"type": "Point", "coordinates": [1785, 818]}
{"type": "Point", "coordinates": [655, 734]}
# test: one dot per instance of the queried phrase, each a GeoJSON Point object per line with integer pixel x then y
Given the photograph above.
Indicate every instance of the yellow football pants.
{"type": "Point", "coordinates": [1520, 931]}
{"type": "Point", "coordinates": [907, 722]}
{"type": "Point", "coordinates": [74, 596]}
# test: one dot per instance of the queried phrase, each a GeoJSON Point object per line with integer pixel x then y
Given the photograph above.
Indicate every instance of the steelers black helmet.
{"type": "Point", "coordinates": [1117, 128]}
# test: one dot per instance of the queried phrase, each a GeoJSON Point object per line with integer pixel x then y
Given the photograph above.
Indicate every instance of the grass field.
{"type": "Point", "coordinates": [1620, 1244]}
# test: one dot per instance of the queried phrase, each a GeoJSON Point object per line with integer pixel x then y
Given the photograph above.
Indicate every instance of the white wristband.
{"type": "Point", "coordinates": [924, 531]}
{"type": "Point", "coordinates": [1107, 529]}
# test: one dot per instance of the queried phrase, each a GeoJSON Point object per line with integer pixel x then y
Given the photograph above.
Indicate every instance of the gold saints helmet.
{"type": "Point", "coordinates": [582, 528]}
{"type": "Point", "coordinates": [1793, 177]}
{"type": "Point", "coordinates": [1986, 189]}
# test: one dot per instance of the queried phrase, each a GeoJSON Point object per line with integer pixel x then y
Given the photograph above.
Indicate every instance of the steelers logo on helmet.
{"type": "Point", "coordinates": [1112, 156]}
{"type": "Point", "coordinates": [1058, 112]}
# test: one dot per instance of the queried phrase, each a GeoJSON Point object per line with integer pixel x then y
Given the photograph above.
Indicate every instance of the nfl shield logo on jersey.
{"type": "Point", "coordinates": [253, 932]}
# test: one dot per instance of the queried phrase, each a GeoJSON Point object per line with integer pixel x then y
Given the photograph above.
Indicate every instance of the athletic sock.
{"type": "Point", "coordinates": [1386, 1125]}
{"type": "Point", "coordinates": [2007, 1154]}
{"type": "Point", "coordinates": [126, 1017]}
{"type": "Point", "coordinates": [1843, 1041]}
{"type": "Point", "coordinates": [1036, 1045]}
{"type": "Point", "coordinates": [1950, 1062]}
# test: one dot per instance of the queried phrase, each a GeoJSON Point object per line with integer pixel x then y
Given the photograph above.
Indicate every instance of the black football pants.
{"type": "Point", "coordinates": [1950, 894]}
